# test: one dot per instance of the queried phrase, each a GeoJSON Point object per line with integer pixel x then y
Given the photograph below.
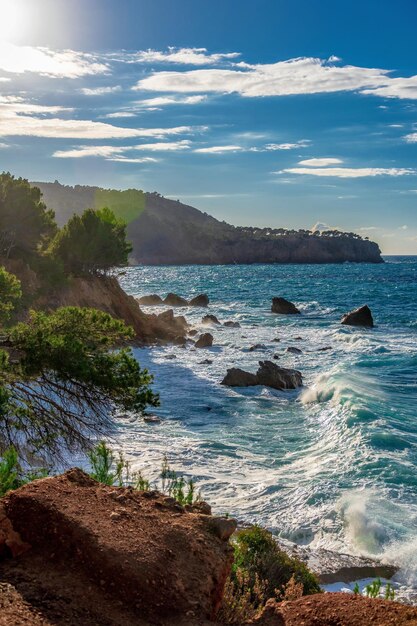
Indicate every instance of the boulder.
{"type": "Point", "coordinates": [270, 375]}
{"type": "Point", "coordinates": [284, 307]}
{"type": "Point", "coordinates": [231, 324]}
{"type": "Point", "coordinates": [201, 300]}
{"type": "Point", "coordinates": [257, 346]}
{"type": "Point", "coordinates": [179, 323]}
{"type": "Point", "coordinates": [192, 332]}
{"type": "Point", "coordinates": [206, 362]}
{"type": "Point", "coordinates": [140, 550]}
{"type": "Point", "coordinates": [237, 377]}
{"type": "Point", "coordinates": [204, 341]}
{"type": "Point", "coordinates": [294, 350]}
{"type": "Point", "coordinates": [152, 300]}
{"type": "Point", "coordinates": [210, 319]}
{"type": "Point", "coordinates": [359, 317]}
{"type": "Point", "coordinates": [173, 299]}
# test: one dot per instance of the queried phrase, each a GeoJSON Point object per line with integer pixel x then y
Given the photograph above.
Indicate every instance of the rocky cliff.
{"type": "Point", "coordinates": [167, 232]}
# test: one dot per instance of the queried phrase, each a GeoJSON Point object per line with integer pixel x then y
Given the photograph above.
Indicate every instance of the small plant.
{"type": "Point", "coordinates": [374, 590]}
{"type": "Point", "coordinates": [12, 475]}
{"type": "Point", "coordinates": [389, 592]}
{"type": "Point", "coordinates": [139, 482]}
{"type": "Point", "coordinates": [242, 601]}
{"type": "Point", "coordinates": [107, 469]}
{"type": "Point", "coordinates": [292, 590]}
{"type": "Point", "coordinates": [176, 486]}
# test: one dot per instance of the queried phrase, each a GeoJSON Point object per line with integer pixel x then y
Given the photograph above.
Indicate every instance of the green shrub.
{"type": "Point", "coordinates": [258, 554]}
{"type": "Point", "coordinates": [12, 476]}
{"type": "Point", "coordinates": [107, 469]}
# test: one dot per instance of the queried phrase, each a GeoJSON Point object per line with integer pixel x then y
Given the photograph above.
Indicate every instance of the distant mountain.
{"type": "Point", "coordinates": [167, 232]}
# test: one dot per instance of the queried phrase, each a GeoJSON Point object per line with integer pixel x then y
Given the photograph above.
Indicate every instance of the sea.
{"type": "Point", "coordinates": [332, 465]}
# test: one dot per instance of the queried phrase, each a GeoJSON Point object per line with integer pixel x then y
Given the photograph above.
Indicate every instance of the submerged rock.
{"type": "Point", "coordinates": [269, 375]}
{"type": "Point", "coordinates": [359, 317]}
{"type": "Point", "coordinates": [257, 346]}
{"type": "Point", "coordinates": [231, 324]}
{"type": "Point", "coordinates": [294, 350]}
{"type": "Point", "coordinates": [284, 307]}
{"type": "Point", "coordinates": [210, 319]}
{"type": "Point", "coordinates": [172, 299]}
{"type": "Point", "coordinates": [151, 300]}
{"type": "Point", "coordinates": [204, 341]}
{"type": "Point", "coordinates": [201, 300]}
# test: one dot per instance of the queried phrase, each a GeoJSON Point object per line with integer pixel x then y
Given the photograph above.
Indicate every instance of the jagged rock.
{"type": "Point", "coordinates": [232, 324]}
{"type": "Point", "coordinates": [192, 332]}
{"type": "Point", "coordinates": [151, 300]}
{"type": "Point", "coordinates": [270, 375]}
{"type": "Point", "coordinates": [201, 300]}
{"type": "Point", "coordinates": [140, 550]}
{"type": "Point", "coordinates": [294, 350]}
{"type": "Point", "coordinates": [210, 319]}
{"type": "Point", "coordinates": [284, 307]}
{"type": "Point", "coordinates": [359, 317]}
{"type": "Point", "coordinates": [237, 377]}
{"type": "Point", "coordinates": [172, 299]}
{"type": "Point", "coordinates": [204, 341]}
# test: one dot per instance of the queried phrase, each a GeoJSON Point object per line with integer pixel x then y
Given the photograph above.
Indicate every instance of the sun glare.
{"type": "Point", "coordinates": [12, 19]}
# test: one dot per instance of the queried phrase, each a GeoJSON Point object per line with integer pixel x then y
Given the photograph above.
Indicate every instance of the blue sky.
{"type": "Point", "coordinates": [270, 113]}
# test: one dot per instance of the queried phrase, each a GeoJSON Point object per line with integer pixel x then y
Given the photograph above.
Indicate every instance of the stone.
{"type": "Point", "coordinates": [359, 317]}
{"type": "Point", "coordinates": [151, 300]}
{"type": "Point", "coordinates": [210, 319]}
{"type": "Point", "coordinates": [271, 375]}
{"type": "Point", "coordinates": [231, 324]}
{"type": "Point", "coordinates": [204, 341]}
{"type": "Point", "coordinates": [294, 350]}
{"type": "Point", "coordinates": [257, 346]}
{"type": "Point", "coordinates": [223, 527]}
{"type": "Point", "coordinates": [237, 377]}
{"type": "Point", "coordinates": [172, 299]}
{"type": "Point", "coordinates": [201, 300]}
{"type": "Point", "coordinates": [284, 307]}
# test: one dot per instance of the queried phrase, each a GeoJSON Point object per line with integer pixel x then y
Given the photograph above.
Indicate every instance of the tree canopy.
{"type": "Point", "coordinates": [92, 242]}
{"type": "Point", "coordinates": [25, 222]}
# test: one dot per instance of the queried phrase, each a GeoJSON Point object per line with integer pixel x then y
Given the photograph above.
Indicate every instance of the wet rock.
{"type": "Point", "coordinates": [151, 300]}
{"type": "Point", "coordinates": [237, 377]}
{"type": "Point", "coordinates": [152, 419]}
{"type": "Point", "coordinates": [170, 356]}
{"type": "Point", "coordinates": [294, 350]}
{"type": "Point", "coordinates": [276, 339]}
{"type": "Point", "coordinates": [173, 299]}
{"type": "Point", "coordinates": [276, 357]}
{"type": "Point", "coordinates": [204, 341]}
{"type": "Point", "coordinates": [210, 319]}
{"type": "Point", "coordinates": [298, 339]}
{"type": "Point", "coordinates": [359, 317]}
{"type": "Point", "coordinates": [193, 332]}
{"type": "Point", "coordinates": [284, 307]}
{"type": "Point", "coordinates": [324, 349]}
{"type": "Point", "coordinates": [231, 324]}
{"type": "Point", "coordinates": [206, 362]}
{"type": "Point", "coordinates": [257, 346]}
{"type": "Point", "coordinates": [271, 375]}
{"type": "Point", "coordinates": [201, 300]}
{"type": "Point", "coordinates": [179, 341]}
{"type": "Point", "coordinates": [268, 375]}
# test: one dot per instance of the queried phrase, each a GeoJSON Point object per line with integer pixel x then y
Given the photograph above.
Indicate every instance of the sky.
{"type": "Point", "coordinates": [281, 113]}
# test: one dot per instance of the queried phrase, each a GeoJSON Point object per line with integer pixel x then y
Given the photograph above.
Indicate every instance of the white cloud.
{"type": "Point", "coordinates": [119, 114]}
{"type": "Point", "coordinates": [323, 162]}
{"type": "Point", "coordinates": [111, 151]}
{"type": "Point", "coordinates": [320, 226]}
{"type": "Point", "coordinates": [59, 64]}
{"type": "Point", "coordinates": [368, 228]}
{"type": "Point", "coordinates": [271, 147]}
{"type": "Point", "coordinates": [349, 172]}
{"type": "Point", "coordinates": [167, 100]}
{"type": "Point", "coordinates": [186, 56]}
{"type": "Point", "coordinates": [295, 76]}
{"type": "Point", "coordinates": [411, 138]}
{"type": "Point", "coordinates": [3, 146]}
{"type": "Point", "coordinates": [100, 91]}
{"type": "Point", "coordinates": [133, 160]}
{"type": "Point", "coordinates": [219, 149]}
{"type": "Point", "coordinates": [403, 227]}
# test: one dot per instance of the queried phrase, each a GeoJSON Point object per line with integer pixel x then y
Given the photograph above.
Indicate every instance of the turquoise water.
{"type": "Point", "coordinates": [332, 465]}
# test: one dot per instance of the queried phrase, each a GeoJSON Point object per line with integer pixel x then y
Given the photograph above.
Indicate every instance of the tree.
{"type": "Point", "coordinates": [10, 294]}
{"type": "Point", "coordinates": [61, 379]}
{"type": "Point", "coordinates": [92, 243]}
{"type": "Point", "coordinates": [25, 222]}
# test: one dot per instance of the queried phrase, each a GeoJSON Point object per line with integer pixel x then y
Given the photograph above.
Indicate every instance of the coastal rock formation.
{"type": "Point", "coordinates": [268, 375]}
{"type": "Point", "coordinates": [204, 341]}
{"type": "Point", "coordinates": [336, 609]}
{"type": "Point", "coordinates": [172, 299]}
{"type": "Point", "coordinates": [201, 300]}
{"type": "Point", "coordinates": [210, 319]}
{"type": "Point", "coordinates": [141, 550]}
{"type": "Point", "coordinates": [151, 300]}
{"type": "Point", "coordinates": [359, 317]}
{"type": "Point", "coordinates": [231, 324]}
{"type": "Point", "coordinates": [165, 231]}
{"type": "Point", "coordinates": [284, 307]}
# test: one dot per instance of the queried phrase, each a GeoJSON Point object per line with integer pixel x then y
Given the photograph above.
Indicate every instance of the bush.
{"type": "Point", "coordinates": [12, 475]}
{"type": "Point", "coordinates": [258, 554]}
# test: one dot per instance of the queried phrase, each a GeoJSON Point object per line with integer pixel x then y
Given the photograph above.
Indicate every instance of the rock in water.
{"type": "Point", "coordinates": [232, 324]}
{"type": "Point", "coordinates": [268, 374]}
{"type": "Point", "coordinates": [204, 341]}
{"type": "Point", "coordinates": [284, 307]}
{"type": "Point", "coordinates": [173, 299]}
{"type": "Point", "coordinates": [294, 350]}
{"type": "Point", "coordinates": [271, 375]}
{"type": "Point", "coordinates": [210, 319]}
{"type": "Point", "coordinates": [359, 317]}
{"type": "Point", "coordinates": [201, 300]}
{"type": "Point", "coordinates": [152, 300]}
{"type": "Point", "coordinates": [237, 377]}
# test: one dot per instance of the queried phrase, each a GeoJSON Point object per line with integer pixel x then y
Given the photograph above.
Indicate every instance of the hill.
{"type": "Point", "coordinates": [167, 232]}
